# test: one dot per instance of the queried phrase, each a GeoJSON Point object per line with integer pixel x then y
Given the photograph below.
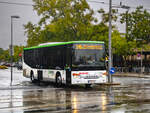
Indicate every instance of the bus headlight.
{"type": "Point", "coordinates": [76, 75]}
{"type": "Point", "coordinates": [105, 73]}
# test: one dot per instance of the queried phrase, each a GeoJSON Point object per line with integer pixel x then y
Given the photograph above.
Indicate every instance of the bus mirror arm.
{"type": "Point", "coordinates": [67, 68]}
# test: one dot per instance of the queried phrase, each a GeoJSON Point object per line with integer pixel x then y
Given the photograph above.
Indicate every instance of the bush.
{"type": "Point", "coordinates": [3, 67]}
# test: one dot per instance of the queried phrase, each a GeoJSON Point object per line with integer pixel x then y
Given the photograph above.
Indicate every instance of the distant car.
{"type": "Point", "coordinates": [2, 63]}
{"type": "Point", "coordinates": [7, 64]}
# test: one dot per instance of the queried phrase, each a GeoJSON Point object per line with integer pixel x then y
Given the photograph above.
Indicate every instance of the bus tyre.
{"type": "Point", "coordinates": [58, 81]}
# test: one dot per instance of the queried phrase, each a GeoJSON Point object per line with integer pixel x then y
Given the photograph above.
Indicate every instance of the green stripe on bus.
{"type": "Point", "coordinates": [64, 43]}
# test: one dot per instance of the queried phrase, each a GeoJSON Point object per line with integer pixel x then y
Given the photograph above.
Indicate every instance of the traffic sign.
{"type": "Point", "coordinates": [138, 56]}
{"type": "Point", "coordinates": [112, 70]}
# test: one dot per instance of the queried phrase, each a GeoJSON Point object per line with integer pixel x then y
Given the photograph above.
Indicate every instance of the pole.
{"type": "Point", "coordinates": [127, 24]}
{"type": "Point", "coordinates": [11, 47]}
{"type": "Point", "coordinates": [11, 50]}
{"type": "Point", "coordinates": [141, 61]}
{"type": "Point", "coordinates": [109, 44]}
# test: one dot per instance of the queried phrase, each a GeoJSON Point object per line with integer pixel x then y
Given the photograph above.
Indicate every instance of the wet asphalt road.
{"type": "Point", "coordinates": [132, 96]}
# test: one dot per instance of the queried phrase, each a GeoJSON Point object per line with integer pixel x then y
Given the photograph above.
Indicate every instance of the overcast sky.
{"type": "Point", "coordinates": [27, 14]}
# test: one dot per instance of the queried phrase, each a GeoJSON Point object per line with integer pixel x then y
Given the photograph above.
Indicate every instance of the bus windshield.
{"type": "Point", "coordinates": [88, 55]}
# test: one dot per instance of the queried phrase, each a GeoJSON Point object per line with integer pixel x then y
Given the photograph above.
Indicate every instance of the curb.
{"type": "Point", "coordinates": [131, 75]}
{"type": "Point", "coordinates": [109, 84]}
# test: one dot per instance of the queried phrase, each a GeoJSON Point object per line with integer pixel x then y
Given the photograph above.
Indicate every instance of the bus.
{"type": "Point", "coordinates": [74, 62]}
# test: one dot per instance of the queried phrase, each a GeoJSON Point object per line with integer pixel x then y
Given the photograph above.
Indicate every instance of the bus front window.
{"type": "Point", "coordinates": [88, 55]}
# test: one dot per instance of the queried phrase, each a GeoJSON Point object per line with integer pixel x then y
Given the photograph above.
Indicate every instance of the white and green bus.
{"type": "Point", "coordinates": [75, 62]}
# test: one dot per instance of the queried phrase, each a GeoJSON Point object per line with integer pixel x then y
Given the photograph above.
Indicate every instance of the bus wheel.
{"type": "Point", "coordinates": [32, 77]}
{"type": "Point", "coordinates": [58, 81]}
{"type": "Point", "coordinates": [87, 85]}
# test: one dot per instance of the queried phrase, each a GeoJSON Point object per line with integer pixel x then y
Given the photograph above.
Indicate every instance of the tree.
{"type": "Point", "coordinates": [1, 50]}
{"type": "Point", "coordinates": [32, 32]}
{"type": "Point", "coordinates": [4, 56]}
{"type": "Point", "coordinates": [17, 50]}
{"type": "Point", "coordinates": [105, 15]}
{"type": "Point", "coordinates": [63, 20]}
{"type": "Point", "coordinates": [1, 54]}
{"type": "Point", "coordinates": [121, 46]}
{"type": "Point", "coordinates": [138, 25]}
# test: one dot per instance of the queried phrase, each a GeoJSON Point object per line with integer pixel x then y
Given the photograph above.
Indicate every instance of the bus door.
{"type": "Point", "coordinates": [68, 76]}
{"type": "Point", "coordinates": [68, 64]}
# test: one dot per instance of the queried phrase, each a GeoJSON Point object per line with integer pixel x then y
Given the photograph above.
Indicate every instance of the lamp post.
{"type": "Point", "coordinates": [109, 43]}
{"type": "Point", "coordinates": [11, 46]}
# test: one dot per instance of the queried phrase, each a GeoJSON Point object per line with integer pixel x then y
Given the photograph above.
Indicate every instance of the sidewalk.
{"type": "Point", "coordinates": [127, 74]}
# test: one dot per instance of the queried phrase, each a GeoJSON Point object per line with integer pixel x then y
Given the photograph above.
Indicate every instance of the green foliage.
{"type": "Point", "coordinates": [121, 46]}
{"type": "Point", "coordinates": [17, 50]}
{"type": "Point", "coordinates": [32, 32]}
{"type": "Point", "coordinates": [1, 50]}
{"type": "Point", "coordinates": [99, 32]}
{"type": "Point", "coordinates": [1, 54]}
{"type": "Point", "coordinates": [138, 25]}
{"type": "Point", "coordinates": [5, 56]}
{"type": "Point", "coordinates": [61, 20]}
{"type": "Point", "coordinates": [105, 16]}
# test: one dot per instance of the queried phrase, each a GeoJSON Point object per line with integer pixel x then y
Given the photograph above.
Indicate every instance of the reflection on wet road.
{"type": "Point", "coordinates": [132, 96]}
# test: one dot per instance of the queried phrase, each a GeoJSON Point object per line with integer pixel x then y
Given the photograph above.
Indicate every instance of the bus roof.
{"type": "Point", "coordinates": [63, 43]}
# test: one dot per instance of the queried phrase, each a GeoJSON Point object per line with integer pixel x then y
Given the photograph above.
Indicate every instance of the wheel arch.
{"type": "Point", "coordinates": [58, 74]}
{"type": "Point", "coordinates": [31, 73]}
{"type": "Point", "coordinates": [58, 79]}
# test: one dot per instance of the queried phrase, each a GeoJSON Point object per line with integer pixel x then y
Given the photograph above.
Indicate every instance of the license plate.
{"type": "Point", "coordinates": [91, 81]}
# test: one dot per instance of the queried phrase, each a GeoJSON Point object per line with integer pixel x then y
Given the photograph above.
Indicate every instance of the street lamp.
{"type": "Point", "coordinates": [11, 45]}
{"type": "Point", "coordinates": [109, 43]}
